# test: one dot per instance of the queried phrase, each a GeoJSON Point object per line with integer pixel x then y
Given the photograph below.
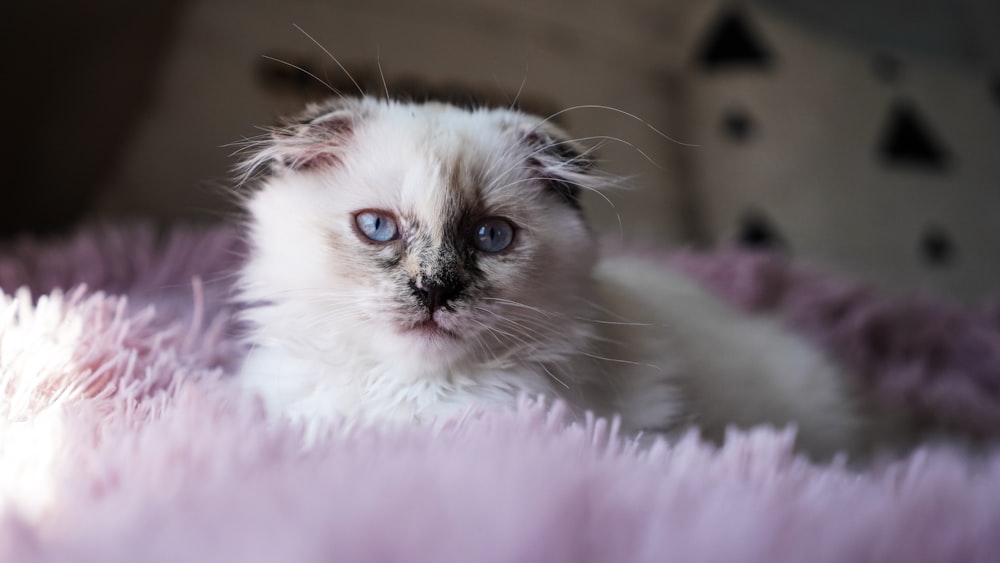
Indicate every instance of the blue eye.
{"type": "Point", "coordinates": [493, 235]}
{"type": "Point", "coordinates": [377, 226]}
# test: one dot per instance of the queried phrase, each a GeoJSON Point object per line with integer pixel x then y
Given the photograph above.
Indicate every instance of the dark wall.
{"type": "Point", "coordinates": [76, 76]}
{"type": "Point", "coordinates": [961, 30]}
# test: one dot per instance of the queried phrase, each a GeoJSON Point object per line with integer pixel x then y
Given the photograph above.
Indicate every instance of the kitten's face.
{"type": "Point", "coordinates": [420, 228]}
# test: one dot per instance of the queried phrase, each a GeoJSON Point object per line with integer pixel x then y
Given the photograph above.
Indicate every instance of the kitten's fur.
{"type": "Point", "coordinates": [340, 327]}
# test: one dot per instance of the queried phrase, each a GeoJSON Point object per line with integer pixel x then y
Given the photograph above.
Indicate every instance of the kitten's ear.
{"type": "Point", "coordinates": [317, 137]}
{"type": "Point", "coordinates": [564, 164]}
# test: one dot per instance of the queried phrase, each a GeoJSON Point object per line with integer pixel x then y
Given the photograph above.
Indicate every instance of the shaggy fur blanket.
{"type": "Point", "coordinates": [122, 439]}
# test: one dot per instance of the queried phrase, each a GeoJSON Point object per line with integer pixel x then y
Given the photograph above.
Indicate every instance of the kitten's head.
{"type": "Point", "coordinates": [419, 228]}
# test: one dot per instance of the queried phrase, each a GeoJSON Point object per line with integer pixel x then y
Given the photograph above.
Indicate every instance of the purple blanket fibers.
{"type": "Point", "coordinates": [121, 439]}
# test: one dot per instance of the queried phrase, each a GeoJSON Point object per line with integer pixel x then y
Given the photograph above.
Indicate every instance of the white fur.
{"type": "Point", "coordinates": [625, 337]}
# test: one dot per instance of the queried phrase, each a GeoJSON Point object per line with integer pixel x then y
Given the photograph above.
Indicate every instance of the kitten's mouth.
{"type": "Point", "coordinates": [429, 327]}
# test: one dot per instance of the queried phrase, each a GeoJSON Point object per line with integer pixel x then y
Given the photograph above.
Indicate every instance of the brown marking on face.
{"type": "Point", "coordinates": [440, 250]}
{"type": "Point", "coordinates": [411, 265]}
{"type": "Point", "coordinates": [464, 204]}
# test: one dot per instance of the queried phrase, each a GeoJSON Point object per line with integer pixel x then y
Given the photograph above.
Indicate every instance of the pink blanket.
{"type": "Point", "coordinates": [121, 438]}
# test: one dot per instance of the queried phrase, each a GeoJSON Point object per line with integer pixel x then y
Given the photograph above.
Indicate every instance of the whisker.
{"type": "Point", "coordinates": [488, 329]}
{"type": "Point", "coordinates": [518, 304]}
{"type": "Point", "coordinates": [512, 324]}
{"type": "Point", "coordinates": [539, 329]}
{"type": "Point", "coordinates": [303, 71]}
{"type": "Point", "coordinates": [520, 88]}
{"type": "Point", "coordinates": [378, 63]}
{"type": "Point", "coordinates": [497, 160]}
{"type": "Point", "coordinates": [547, 328]}
{"type": "Point", "coordinates": [613, 322]}
{"type": "Point", "coordinates": [552, 375]}
{"type": "Point", "coordinates": [523, 339]}
{"type": "Point", "coordinates": [617, 360]}
{"type": "Point", "coordinates": [629, 144]}
{"type": "Point", "coordinates": [622, 112]}
{"type": "Point", "coordinates": [602, 309]}
{"type": "Point", "coordinates": [329, 54]}
{"type": "Point", "coordinates": [479, 341]}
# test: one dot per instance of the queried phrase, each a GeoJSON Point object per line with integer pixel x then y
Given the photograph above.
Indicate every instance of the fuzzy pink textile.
{"type": "Point", "coordinates": [121, 438]}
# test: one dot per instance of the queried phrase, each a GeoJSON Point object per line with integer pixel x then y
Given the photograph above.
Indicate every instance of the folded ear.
{"type": "Point", "coordinates": [315, 138]}
{"type": "Point", "coordinates": [562, 163]}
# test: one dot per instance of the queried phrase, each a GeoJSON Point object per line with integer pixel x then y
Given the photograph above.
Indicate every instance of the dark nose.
{"type": "Point", "coordinates": [433, 294]}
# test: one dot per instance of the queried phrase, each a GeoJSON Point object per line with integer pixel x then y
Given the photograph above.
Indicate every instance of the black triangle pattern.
{"type": "Point", "coordinates": [757, 232]}
{"type": "Point", "coordinates": [731, 42]}
{"type": "Point", "coordinates": [909, 141]}
{"type": "Point", "coordinates": [937, 247]}
{"type": "Point", "coordinates": [738, 125]}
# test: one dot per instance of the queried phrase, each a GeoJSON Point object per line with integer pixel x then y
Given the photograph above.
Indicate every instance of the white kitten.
{"type": "Point", "coordinates": [410, 260]}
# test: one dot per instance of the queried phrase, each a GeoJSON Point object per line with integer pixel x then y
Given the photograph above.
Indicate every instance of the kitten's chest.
{"type": "Point", "coordinates": [368, 390]}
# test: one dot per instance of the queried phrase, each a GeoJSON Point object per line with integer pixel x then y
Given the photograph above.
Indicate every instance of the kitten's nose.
{"type": "Point", "coordinates": [434, 295]}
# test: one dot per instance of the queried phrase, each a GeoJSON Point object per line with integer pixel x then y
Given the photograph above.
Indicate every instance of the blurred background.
{"type": "Point", "coordinates": [862, 135]}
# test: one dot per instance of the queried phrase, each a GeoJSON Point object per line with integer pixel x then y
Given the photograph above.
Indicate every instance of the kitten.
{"type": "Point", "coordinates": [409, 261]}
